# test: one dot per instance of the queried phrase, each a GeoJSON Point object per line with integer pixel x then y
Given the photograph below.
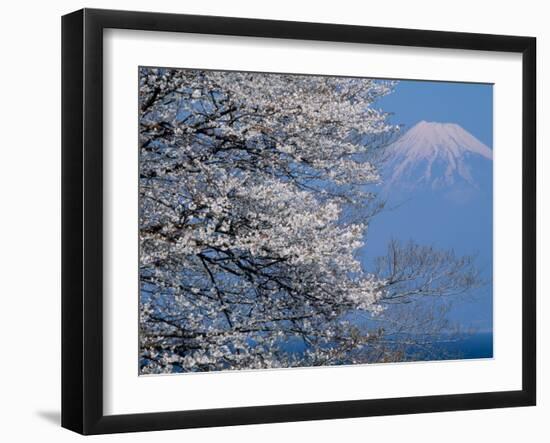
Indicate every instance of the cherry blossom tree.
{"type": "Point", "coordinates": [254, 202]}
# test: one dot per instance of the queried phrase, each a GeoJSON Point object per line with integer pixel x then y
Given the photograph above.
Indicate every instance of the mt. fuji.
{"type": "Point", "coordinates": [437, 156]}
{"type": "Point", "coordinates": [436, 180]}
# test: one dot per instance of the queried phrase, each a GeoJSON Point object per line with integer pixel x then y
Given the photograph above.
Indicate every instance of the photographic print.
{"type": "Point", "coordinates": [291, 220]}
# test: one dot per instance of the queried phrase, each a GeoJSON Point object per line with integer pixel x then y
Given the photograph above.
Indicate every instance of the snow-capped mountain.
{"type": "Point", "coordinates": [437, 155]}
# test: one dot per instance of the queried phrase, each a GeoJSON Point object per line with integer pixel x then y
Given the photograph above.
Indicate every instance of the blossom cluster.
{"type": "Point", "coordinates": [247, 182]}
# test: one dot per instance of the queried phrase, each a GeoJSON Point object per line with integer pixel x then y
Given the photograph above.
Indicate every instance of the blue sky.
{"type": "Point", "coordinates": [428, 219]}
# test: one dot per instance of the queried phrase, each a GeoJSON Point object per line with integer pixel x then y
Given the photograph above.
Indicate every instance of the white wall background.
{"type": "Point", "coordinates": [30, 218]}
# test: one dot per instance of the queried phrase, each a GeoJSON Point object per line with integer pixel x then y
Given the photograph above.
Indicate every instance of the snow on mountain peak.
{"type": "Point", "coordinates": [435, 153]}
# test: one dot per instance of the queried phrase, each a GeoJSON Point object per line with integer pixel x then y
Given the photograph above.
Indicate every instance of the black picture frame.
{"type": "Point", "coordinates": [82, 215]}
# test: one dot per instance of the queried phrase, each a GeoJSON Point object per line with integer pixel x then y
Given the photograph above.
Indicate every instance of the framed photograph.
{"type": "Point", "coordinates": [269, 221]}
